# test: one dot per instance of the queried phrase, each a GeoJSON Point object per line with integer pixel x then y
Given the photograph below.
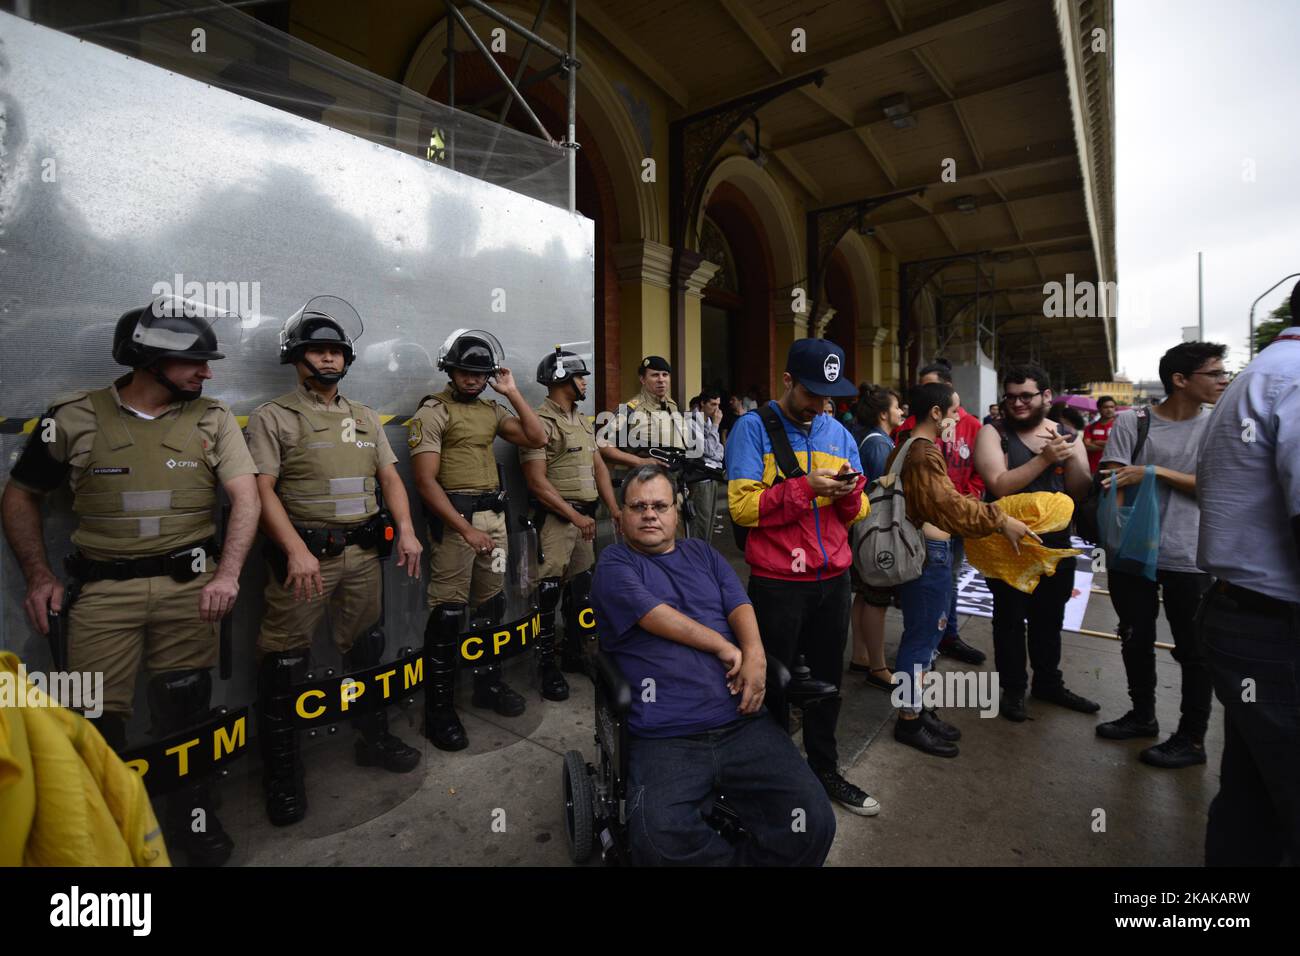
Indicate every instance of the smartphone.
{"type": "Point", "coordinates": [849, 476]}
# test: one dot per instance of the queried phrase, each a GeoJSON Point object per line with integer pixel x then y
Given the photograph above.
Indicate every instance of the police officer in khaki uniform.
{"type": "Point", "coordinates": [650, 419]}
{"type": "Point", "coordinates": [565, 477]}
{"type": "Point", "coordinates": [456, 474]}
{"type": "Point", "coordinates": [144, 457]}
{"type": "Point", "coordinates": [319, 459]}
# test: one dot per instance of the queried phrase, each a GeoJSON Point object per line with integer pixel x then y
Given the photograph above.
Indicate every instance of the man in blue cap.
{"type": "Point", "coordinates": [797, 518]}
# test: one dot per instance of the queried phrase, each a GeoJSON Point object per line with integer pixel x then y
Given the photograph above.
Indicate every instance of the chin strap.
{"type": "Point", "coordinates": [178, 394]}
{"type": "Point", "coordinates": [325, 378]}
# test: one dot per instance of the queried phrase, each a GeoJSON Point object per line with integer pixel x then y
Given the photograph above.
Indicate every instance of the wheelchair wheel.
{"type": "Point", "coordinates": [579, 813]}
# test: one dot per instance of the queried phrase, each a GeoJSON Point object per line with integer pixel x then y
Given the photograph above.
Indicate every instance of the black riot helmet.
{"type": "Point", "coordinates": [169, 327]}
{"type": "Point", "coordinates": [560, 366]}
{"type": "Point", "coordinates": [471, 350]}
{"type": "Point", "coordinates": [325, 320]}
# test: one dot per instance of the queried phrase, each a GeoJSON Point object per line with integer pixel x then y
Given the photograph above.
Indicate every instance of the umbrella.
{"type": "Point", "coordinates": [1077, 401]}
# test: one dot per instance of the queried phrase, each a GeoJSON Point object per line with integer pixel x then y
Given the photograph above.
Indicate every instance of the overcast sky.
{"type": "Point", "coordinates": [1202, 86]}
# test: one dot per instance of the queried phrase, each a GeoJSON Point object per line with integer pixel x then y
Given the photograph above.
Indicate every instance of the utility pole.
{"type": "Point", "coordinates": [1200, 303]}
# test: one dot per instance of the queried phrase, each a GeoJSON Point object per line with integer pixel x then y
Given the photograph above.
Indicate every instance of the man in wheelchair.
{"type": "Point", "coordinates": [674, 618]}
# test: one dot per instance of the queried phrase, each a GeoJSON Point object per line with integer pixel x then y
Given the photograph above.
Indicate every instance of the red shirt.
{"type": "Point", "coordinates": [1097, 432]}
{"type": "Point", "coordinates": [959, 453]}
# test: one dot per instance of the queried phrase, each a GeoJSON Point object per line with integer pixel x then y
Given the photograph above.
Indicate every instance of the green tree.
{"type": "Point", "coordinates": [1279, 319]}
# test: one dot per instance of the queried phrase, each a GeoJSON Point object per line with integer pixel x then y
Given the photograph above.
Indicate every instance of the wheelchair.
{"type": "Point", "coordinates": [595, 795]}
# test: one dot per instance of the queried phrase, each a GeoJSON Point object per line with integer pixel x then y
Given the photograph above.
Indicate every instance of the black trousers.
{"type": "Point", "coordinates": [1037, 618]}
{"type": "Point", "coordinates": [809, 618]}
{"type": "Point", "coordinates": [1255, 661]}
{"type": "Point", "coordinates": [1136, 601]}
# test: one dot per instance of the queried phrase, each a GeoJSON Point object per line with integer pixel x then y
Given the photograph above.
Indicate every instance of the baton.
{"type": "Point", "coordinates": [58, 625]}
{"type": "Point", "coordinates": [225, 642]}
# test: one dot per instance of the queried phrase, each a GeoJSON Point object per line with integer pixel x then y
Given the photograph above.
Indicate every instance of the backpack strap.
{"type": "Point", "coordinates": [1143, 427]}
{"type": "Point", "coordinates": [897, 467]}
{"type": "Point", "coordinates": [786, 463]}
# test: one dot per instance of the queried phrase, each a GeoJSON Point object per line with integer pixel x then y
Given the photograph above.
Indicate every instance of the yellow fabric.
{"type": "Point", "coordinates": [994, 557]}
{"type": "Point", "coordinates": [65, 798]}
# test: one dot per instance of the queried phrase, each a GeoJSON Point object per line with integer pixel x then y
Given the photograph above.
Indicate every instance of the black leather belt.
{"type": "Point", "coordinates": [467, 505]}
{"type": "Point", "coordinates": [377, 532]}
{"type": "Point", "coordinates": [1249, 600]}
{"type": "Point", "coordinates": [585, 508]}
{"type": "Point", "coordinates": [177, 565]}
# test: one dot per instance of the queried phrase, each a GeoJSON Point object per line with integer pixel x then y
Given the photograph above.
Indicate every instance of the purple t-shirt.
{"type": "Point", "coordinates": [690, 686]}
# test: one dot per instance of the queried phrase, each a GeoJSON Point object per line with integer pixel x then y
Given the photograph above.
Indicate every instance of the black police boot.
{"type": "Point", "coordinates": [181, 699]}
{"type": "Point", "coordinates": [375, 745]}
{"type": "Point", "coordinates": [441, 725]}
{"type": "Point", "coordinates": [573, 653]}
{"type": "Point", "coordinates": [554, 686]}
{"type": "Point", "coordinates": [282, 772]}
{"type": "Point", "coordinates": [491, 691]}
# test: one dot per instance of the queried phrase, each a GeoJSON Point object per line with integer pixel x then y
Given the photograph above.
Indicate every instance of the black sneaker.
{"type": "Point", "coordinates": [851, 798]}
{"type": "Point", "coordinates": [1013, 706]}
{"type": "Point", "coordinates": [917, 733]}
{"type": "Point", "coordinates": [941, 727]}
{"type": "Point", "coordinates": [1178, 751]}
{"type": "Point", "coordinates": [1063, 697]}
{"type": "Point", "coordinates": [959, 650]}
{"type": "Point", "coordinates": [1128, 727]}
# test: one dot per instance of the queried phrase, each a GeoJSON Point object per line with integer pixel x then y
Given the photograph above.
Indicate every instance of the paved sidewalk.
{"type": "Point", "coordinates": [1018, 793]}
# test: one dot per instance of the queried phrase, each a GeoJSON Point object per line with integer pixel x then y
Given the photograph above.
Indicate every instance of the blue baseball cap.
{"type": "Point", "coordinates": [817, 365]}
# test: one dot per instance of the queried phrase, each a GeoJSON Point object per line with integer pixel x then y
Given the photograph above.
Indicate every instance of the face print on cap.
{"type": "Point", "coordinates": [831, 368]}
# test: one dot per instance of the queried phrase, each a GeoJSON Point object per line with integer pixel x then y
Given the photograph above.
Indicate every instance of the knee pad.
{"type": "Point", "coordinates": [548, 594]}
{"type": "Point", "coordinates": [280, 670]}
{"type": "Point", "coordinates": [440, 634]}
{"type": "Point", "coordinates": [179, 698]}
{"type": "Point", "coordinates": [579, 592]}
{"type": "Point", "coordinates": [490, 611]}
{"type": "Point", "coordinates": [366, 650]}
{"type": "Point", "coordinates": [112, 727]}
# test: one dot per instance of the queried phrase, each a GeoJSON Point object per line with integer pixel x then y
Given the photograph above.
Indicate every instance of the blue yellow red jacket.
{"type": "Point", "coordinates": [793, 535]}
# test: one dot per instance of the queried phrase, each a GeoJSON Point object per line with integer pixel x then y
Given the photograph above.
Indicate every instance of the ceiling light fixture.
{"type": "Point", "coordinates": [898, 110]}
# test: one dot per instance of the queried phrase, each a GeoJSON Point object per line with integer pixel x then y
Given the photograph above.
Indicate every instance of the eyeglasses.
{"type": "Point", "coordinates": [1221, 375]}
{"type": "Point", "coordinates": [1023, 398]}
{"type": "Point", "coordinates": [641, 507]}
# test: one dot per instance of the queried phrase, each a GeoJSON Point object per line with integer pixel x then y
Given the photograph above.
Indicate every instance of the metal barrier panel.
{"type": "Point", "coordinates": [119, 178]}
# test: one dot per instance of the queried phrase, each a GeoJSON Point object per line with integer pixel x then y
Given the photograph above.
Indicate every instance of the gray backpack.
{"type": "Point", "coordinates": [887, 548]}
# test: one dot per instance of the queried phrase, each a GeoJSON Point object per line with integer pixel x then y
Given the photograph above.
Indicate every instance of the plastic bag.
{"type": "Point", "coordinates": [1130, 534]}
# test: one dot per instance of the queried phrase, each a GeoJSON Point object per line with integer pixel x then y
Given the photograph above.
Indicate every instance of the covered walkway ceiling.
{"type": "Point", "coordinates": [987, 86]}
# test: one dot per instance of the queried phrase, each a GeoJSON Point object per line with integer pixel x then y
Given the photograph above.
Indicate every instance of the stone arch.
{"type": "Point", "coordinates": [773, 212]}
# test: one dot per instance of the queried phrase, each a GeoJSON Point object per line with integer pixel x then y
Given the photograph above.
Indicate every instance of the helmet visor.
{"type": "Point", "coordinates": [498, 354]}
{"type": "Point", "coordinates": [184, 328]}
{"type": "Point", "coordinates": [324, 320]}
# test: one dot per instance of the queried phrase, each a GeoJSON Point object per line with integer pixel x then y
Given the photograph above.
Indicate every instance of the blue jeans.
{"type": "Point", "coordinates": [957, 550]}
{"type": "Point", "coordinates": [673, 781]}
{"type": "Point", "coordinates": [925, 615]}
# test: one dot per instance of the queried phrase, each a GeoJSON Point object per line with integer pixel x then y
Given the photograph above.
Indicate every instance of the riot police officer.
{"type": "Point", "coordinates": [565, 477]}
{"type": "Point", "coordinates": [320, 457]}
{"type": "Point", "coordinates": [455, 472]}
{"type": "Point", "coordinates": [144, 457]}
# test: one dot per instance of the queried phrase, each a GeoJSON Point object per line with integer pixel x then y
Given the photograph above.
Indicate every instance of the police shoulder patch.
{"type": "Point", "coordinates": [417, 433]}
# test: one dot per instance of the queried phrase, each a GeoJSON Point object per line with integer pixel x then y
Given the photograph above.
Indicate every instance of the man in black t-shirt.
{"type": "Point", "coordinates": [1027, 453]}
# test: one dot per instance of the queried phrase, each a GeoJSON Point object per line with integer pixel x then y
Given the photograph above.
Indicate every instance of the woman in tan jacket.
{"type": "Point", "coordinates": [940, 511]}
